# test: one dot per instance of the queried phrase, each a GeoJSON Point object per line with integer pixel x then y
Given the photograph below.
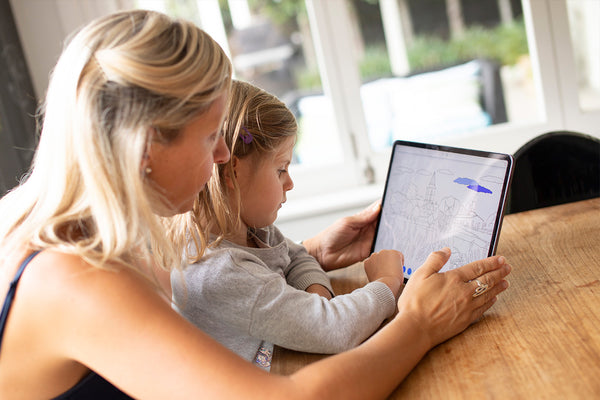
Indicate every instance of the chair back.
{"type": "Point", "coordinates": [555, 168]}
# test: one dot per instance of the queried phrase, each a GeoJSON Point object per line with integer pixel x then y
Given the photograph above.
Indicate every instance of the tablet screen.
{"type": "Point", "coordinates": [439, 196]}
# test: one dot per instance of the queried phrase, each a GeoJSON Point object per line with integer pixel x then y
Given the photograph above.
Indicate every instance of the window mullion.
{"type": "Point", "coordinates": [330, 24]}
{"type": "Point", "coordinates": [568, 73]}
{"type": "Point", "coordinates": [539, 37]}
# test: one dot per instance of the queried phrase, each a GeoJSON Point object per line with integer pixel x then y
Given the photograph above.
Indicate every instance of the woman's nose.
{"type": "Point", "coordinates": [221, 153]}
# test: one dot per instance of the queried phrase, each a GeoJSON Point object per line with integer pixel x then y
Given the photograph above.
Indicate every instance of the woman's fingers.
{"type": "Point", "coordinates": [492, 272]}
{"type": "Point", "coordinates": [479, 268]}
{"type": "Point", "coordinates": [446, 303]}
{"type": "Point", "coordinates": [490, 285]}
{"type": "Point", "coordinates": [485, 288]}
{"type": "Point", "coordinates": [434, 262]}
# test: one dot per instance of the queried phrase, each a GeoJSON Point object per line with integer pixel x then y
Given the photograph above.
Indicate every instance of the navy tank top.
{"type": "Point", "coordinates": [91, 387]}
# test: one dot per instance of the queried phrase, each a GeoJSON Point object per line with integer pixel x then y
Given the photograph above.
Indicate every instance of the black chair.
{"type": "Point", "coordinates": [555, 168]}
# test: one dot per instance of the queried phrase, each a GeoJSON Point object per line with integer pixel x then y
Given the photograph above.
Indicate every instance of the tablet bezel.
{"type": "Point", "coordinates": [472, 152]}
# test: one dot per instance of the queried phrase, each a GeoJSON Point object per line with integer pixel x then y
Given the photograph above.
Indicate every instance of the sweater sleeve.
{"type": "Point", "coordinates": [304, 321]}
{"type": "Point", "coordinates": [304, 270]}
{"type": "Point", "coordinates": [233, 297]}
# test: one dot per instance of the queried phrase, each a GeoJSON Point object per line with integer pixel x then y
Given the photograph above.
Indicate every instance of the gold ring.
{"type": "Point", "coordinates": [480, 289]}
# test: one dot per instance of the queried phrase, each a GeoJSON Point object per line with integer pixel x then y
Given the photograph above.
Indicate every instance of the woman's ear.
{"type": "Point", "coordinates": [146, 166]}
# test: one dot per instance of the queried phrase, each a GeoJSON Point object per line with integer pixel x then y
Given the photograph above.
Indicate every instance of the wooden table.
{"type": "Point", "coordinates": [541, 340]}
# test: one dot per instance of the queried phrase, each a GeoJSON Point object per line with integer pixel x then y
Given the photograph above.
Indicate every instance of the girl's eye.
{"type": "Point", "coordinates": [282, 171]}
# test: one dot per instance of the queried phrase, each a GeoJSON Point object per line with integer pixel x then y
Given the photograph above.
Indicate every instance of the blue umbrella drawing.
{"type": "Point", "coordinates": [473, 185]}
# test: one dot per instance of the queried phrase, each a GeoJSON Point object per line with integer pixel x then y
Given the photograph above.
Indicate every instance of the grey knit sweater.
{"type": "Point", "coordinates": [251, 298]}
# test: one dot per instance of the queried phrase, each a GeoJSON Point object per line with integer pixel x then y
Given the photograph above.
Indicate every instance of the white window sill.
{"type": "Point", "coordinates": [301, 218]}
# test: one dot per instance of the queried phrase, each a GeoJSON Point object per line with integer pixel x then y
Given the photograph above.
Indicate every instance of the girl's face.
{"type": "Point", "coordinates": [182, 168]}
{"type": "Point", "coordinates": [264, 181]}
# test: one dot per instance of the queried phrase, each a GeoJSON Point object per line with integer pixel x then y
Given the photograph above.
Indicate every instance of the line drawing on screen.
{"type": "Point", "coordinates": [435, 202]}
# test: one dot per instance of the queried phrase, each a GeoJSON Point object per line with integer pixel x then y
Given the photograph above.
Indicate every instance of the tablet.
{"type": "Point", "coordinates": [440, 196]}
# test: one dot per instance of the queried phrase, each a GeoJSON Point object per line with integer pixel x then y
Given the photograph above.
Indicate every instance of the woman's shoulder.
{"type": "Point", "coordinates": [64, 308]}
{"type": "Point", "coordinates": [53, 269]}
{"type": "Point", "coordinates": [65, 285]}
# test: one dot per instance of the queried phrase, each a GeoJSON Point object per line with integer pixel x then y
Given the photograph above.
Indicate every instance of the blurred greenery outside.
{"type": "Point", "coordinates": [504, 44]}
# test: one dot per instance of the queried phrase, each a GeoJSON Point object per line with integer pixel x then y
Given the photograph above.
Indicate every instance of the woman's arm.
{"type": "Point", "coordinates": [432, 308]}
{"type": "Point", "coordinates": [115, 323]}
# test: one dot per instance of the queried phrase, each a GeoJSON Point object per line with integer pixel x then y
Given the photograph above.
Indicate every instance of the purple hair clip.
{"type": "Point", "coordinates": [247, 138]}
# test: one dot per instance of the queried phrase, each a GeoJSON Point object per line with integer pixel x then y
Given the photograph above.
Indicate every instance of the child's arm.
{"type": "Point", "coordinates": [345, 321]}
{"type": "Point", "coordinates": [239, 300]}
{"type": "Point", "coordinates": [320, 290]}
{"type": "Point", "coordinates": [300, 321]}
{"type": "Point", "coordinates": [305, 273]}
{"type": "Point", "coordinates": [386, 266]}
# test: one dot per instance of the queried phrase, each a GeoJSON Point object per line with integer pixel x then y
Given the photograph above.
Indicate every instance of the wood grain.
{"type": "Point", "coordinates": [541, 340]}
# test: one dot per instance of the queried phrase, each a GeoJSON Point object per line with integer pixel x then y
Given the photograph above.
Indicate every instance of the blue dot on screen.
{"type": "Point", "coordinates": [410, 271]}
{"type": "Point", "coordinates": [403, 268]}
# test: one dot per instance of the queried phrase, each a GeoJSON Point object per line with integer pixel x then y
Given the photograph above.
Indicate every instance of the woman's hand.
{"type": "Point", "coordinates": [443, 303]}
{"type": "Point", "coordinates": [347, 241]}
{"type": "Point", "coordinates": [386, 266]}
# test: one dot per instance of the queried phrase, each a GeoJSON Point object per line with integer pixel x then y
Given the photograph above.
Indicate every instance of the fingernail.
{"type": "Point", "coordinates": [501, 260]}
{"type": "Point", "coordinates": [446, 250]}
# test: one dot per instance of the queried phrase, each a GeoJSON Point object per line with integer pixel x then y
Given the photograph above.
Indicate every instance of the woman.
{"type": "Point", "coordinates": [130, 134]}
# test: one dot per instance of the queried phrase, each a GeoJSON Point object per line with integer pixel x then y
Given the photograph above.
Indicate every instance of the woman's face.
{"type": "Point", "coordinates": [182, 167]}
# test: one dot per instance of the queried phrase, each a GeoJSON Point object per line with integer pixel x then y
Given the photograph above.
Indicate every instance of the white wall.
{"type": "Point", "coordinates": [43, 26]}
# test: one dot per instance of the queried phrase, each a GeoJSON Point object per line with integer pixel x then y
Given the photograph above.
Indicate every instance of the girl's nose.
{"type": "Point", "coordinates": [289, 183]}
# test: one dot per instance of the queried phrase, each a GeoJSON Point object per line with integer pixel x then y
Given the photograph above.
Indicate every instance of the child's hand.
{"type": "Point", "coordinates": [386, 266]}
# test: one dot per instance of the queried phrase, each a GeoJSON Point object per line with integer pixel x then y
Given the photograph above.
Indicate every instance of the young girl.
{"type": "Point", "coordinates": [255, 288]}
{"type": "Point", "coordinates": [131, 131]}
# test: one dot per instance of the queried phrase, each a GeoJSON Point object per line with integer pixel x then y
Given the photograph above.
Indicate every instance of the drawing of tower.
{"type": "Point", "coordinates": [428, 203]}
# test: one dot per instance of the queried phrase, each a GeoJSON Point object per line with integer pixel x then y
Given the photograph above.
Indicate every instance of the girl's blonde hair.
{"type": "Point", "coordinates": [120, 78]}
{"type": "Point", "coordinates": [252, 111]}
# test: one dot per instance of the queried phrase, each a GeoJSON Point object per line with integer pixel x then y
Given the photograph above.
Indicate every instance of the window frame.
{"type": "Point", "coordinates": [551, 54]}
{"type": "Point", "coordinates": [555, 78]}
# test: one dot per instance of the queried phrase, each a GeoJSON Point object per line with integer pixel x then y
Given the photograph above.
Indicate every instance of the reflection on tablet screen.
{"type": "Point", "coordinates": [436, 199]}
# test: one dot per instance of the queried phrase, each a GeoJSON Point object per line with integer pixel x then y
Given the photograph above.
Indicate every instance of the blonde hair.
{"type": "Point", "coordinates": [120, 78]}
{"type": "Point", "coordinates": [251, 111]}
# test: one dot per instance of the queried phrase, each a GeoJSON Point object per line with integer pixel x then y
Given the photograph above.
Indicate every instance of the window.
{"type": "Point", "coordinates": [361, 73]}
{"type": "Point", "coordinates": [17, 106]}
{"type": "Point", "coordinates": [585, 40]}
{"type": "Point", "coordinates": [275, 49]}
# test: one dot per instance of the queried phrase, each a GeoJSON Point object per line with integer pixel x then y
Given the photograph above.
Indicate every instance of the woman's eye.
{"type": "Point", "coordinates": [213, 138]}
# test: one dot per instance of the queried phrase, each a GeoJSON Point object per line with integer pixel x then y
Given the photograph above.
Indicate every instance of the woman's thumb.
{"type": "Point", "coordinates": [435, 261]}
